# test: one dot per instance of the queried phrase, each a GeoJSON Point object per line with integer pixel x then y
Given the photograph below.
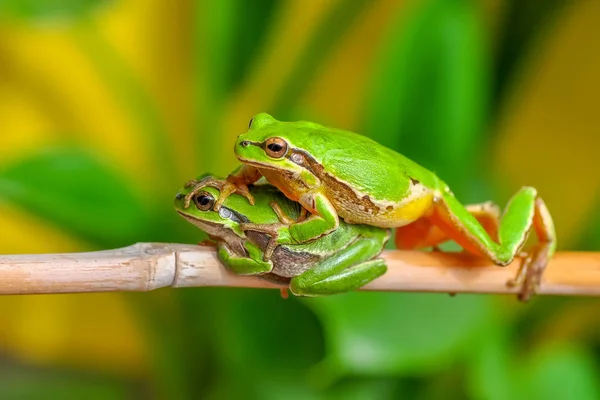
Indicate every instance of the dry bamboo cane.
{"type": "Point", "coordinates": [149, 266]}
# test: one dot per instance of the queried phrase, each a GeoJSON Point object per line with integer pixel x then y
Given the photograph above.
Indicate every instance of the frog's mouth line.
{"type": "Point", "coordinates": [195, 220]}
{"type": "Point", "coordinates": [257, 164]}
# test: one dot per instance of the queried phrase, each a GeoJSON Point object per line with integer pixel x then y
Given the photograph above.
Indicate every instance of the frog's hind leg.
{"type": "Point", "coordinates": [525, 211]}
{"type": "Point", "coordinates": [425, 233]}
{"type": "Point", "coordinates": [344, 271]}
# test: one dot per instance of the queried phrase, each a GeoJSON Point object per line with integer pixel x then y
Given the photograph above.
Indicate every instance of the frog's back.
{"type": "Point", "coordinates": [360, 161]}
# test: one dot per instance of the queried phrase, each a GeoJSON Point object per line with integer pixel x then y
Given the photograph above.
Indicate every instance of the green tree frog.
{"type": "Point", "coordinates": [336, 173]}
{"type": "Point", "coordinates": [340, 261]}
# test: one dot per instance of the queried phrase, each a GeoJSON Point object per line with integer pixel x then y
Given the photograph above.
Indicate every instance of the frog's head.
{"type": "Point", "coordinates": [278, 145]}
{"type": "Point", "coordinates": [219, 224]}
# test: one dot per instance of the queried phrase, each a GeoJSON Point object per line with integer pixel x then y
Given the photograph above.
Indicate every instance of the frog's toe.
{"type": "Point", "coordinates": [250, 199]}
{"type": "Point", "coordinates": [246, 193]}
{"type": "Point", "coordinates": [188, 198]}
{"type": "Point", "coordinates": [190, 183]}
{"type": "Point", "coordinates": [531, 272]}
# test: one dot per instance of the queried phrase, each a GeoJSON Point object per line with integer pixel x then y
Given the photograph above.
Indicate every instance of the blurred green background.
{"type": "Point", "coordinates": [108, 107]}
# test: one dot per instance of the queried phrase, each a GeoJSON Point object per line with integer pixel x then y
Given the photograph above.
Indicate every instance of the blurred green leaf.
{"type": "Point", "coordinates": [447, 385]}
{"type": "Point", "coordinates": [131, 93]}
{"type": "Point", "coordinates": [429, 92]}
{"type": "Point", "coordinates": [78, 191]}
{"type": "Point", "coordinates": [274, 333]}
{"type": "Point", "coordinates": [42, 10]}
{"type": "Point", "coordinates": [366, 388]}
{"type": "Point", "coordinates": [227, 40]}
{"type": "Point", "coordinates": [292, 388]}
{"type": "Point", "coordinates": [320, 45]}
{"type": "Point", "coordinates": [233, 385]}
{"type": "Point", "coordinates": [489, 369]}
{"type": "Point", "coordinates": [239, 385]}
{"type": "Point", "coordinates": [263, 343]}
{"type": "Point", "coordinates": [175, 358]}
{"type": "Point", "coordinates": [589, 234]}
{"type": "Point", "coordinates": [31, 384]}
{"type": "Point", "coordinates": [560, 371]}
{"type": "Point", "coordinates": [526, 26]}
{"type": "Point", "coordinates": [394, 333]}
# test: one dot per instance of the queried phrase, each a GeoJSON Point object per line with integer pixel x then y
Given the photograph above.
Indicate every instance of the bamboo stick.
{"type": "Point", "coordinates": [149, 266]}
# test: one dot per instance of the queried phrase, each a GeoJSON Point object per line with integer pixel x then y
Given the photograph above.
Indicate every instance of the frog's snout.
{"type": "Point", "coordinates": [241, 142]}
{"type": "Point", "coordinates": [240, 145]}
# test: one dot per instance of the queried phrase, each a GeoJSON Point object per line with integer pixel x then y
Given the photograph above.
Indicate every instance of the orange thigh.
{"type": "Point", "coordinates": [426, 232]}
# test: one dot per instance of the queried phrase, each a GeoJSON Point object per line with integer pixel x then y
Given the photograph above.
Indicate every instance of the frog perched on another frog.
{"type": "Point", "coordinates": [337, 262]}
{"type": "Point", "coordinates": [335, 173]}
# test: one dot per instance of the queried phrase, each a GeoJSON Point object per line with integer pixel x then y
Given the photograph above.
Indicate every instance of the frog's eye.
{"type": "Point", "coordinates": [276, 147]}
{"type": "Point", "coordinates": [204, 201]}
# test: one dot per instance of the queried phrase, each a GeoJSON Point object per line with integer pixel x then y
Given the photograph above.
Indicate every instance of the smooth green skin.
{"type": "Point", "coordinates": [345, 258]}
{"type": "Point", "coordinates": [382, 174]}
{"type": "Point", "coordinates": [364, 164]}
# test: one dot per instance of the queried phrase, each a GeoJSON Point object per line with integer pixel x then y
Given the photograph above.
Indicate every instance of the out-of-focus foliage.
{"type": "Point", "coordinates": [108, 107]}
{"type": "Point", "coordinates": [45, 10]}
{"type": "Point", "coordinates": [58, 182]}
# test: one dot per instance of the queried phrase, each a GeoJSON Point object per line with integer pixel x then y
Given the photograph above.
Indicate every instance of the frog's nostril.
{"type": "Point", "coordinates": [179, 196]}
{"type": "Point", "coordinates": [245, 143]}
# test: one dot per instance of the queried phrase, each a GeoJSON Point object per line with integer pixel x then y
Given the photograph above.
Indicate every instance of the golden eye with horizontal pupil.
{"type": "Point", "coordinates": [276, 147]}
{"type": "Point", "coordinates": [204, 201]}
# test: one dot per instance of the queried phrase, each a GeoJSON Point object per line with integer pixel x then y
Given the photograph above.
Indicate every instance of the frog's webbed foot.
{"type": "Point", "coordinates": [530, 272]}
{"type": "Point", "coordinates": [225, 187]}
{"type": "Point", "coordinates": [273, 230]}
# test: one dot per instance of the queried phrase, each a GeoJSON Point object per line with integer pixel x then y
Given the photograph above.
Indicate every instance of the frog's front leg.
{"type": "Point", "coordinates": [323, 219]}
{"type": "Point", "coordinates": [525, 211]}
{"type": "Point", "coordinates": [252, 264]}
{"type": "Point", "coordinates": [347, 270]}
{"type": "Point", "coordinates": [283, 217]}
{"type": "Point", "coordinates": [236, 182]}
